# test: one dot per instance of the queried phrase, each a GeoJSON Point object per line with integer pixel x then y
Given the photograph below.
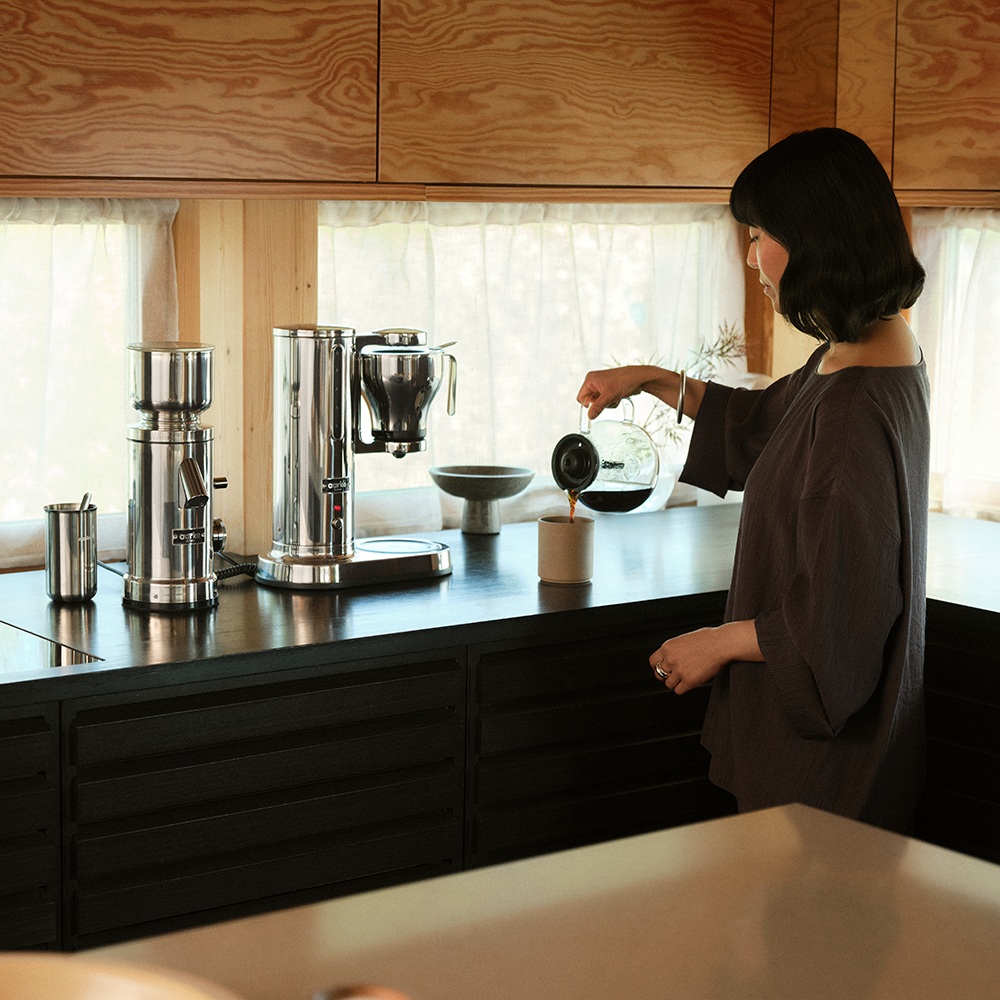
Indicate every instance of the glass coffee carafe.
{"type": "Point", "coordinates": [610, 465]}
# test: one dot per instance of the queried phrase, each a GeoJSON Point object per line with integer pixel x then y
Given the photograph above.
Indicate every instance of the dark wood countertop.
{"type": "Point", "coordinates": [493, 594]}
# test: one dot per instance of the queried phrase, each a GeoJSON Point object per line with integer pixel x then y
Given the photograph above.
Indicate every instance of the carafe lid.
{"type": "Point", "coordinates": [575, 462]}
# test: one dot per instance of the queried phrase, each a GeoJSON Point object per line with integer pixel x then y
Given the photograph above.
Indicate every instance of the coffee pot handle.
{"type": "Point", "coordinates": [452, 383]}
{"type": "Point", "coordinates": [626, 404]}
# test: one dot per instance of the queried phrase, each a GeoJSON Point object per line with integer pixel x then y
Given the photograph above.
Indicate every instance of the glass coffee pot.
{"type": "Point", "coordinates": [610, 465]}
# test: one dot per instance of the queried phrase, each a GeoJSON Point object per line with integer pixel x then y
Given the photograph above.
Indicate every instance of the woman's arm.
{"type": "Point", "coordinates": [691, 659]}
{"type": "Point", "coordinates": [607, 388]}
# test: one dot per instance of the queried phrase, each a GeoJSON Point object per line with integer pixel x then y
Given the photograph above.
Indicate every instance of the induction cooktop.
{"type": "Point", "coordinates": [21, 650]}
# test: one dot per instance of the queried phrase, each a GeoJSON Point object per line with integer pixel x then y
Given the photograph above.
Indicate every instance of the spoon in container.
{"type": "Point", "coordinates": [85, 502]}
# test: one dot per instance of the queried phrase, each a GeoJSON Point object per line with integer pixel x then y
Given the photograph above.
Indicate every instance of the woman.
{"type": "Point", "coordinates": [817, 671]}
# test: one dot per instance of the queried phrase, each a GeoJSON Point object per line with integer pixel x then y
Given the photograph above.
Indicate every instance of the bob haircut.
{"type": "Point", "coordinates": [825, 198]}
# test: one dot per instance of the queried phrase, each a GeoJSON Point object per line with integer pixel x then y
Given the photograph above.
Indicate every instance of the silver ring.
{"type": "Point", "coordinates": [660, 672]}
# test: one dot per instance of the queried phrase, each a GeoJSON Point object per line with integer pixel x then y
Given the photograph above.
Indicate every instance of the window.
{"type": "Point", "coordinates": [79, 280]}
{"type": "Point", "coordinates": [533, 296]}
{"type": "Point", "coordinates": [956, 320]}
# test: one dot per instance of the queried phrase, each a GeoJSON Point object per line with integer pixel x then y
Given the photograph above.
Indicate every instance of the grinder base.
{"type": "Point", "coordinates": [169, 595]}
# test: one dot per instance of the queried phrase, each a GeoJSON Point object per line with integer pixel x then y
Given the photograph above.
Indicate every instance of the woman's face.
{"type": "Point", "coordinates": [768, 257]}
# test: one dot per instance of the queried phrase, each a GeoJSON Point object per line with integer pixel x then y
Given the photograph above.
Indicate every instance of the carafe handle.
{"type": "Point", "coordinates": [626, 404]}
{"type": "Point", "coordinates": [452, 383]}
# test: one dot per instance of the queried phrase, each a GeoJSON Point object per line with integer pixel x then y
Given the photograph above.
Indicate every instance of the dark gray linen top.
{"type": "Point", "coordinates": [831, 566]}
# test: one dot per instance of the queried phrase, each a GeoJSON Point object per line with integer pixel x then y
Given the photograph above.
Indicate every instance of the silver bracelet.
{"type": "Point", "coordinates": [680, 395]}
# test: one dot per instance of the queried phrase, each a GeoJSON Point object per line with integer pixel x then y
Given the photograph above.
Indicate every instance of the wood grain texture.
{"type": "Point", "coordinates": [804, 73]}
{"type": "Point", "coordinates": [268, 89]}
{"type": "Point", "coordinates": [948, 95]}
{"type": "Point", "coordinates": [221, 323]}
{"type": "Point", "coordinates": [573, 92]}
{"type": "Point", "coordinates": [280, 260]}
{"type": "Point", "coordinates": [866, 64]}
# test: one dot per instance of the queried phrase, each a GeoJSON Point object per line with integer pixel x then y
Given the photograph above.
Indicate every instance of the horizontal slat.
{"type": "Point", "coordinates": [574, 668]}
{"type": "Point", "coordinates": [26, 746]}
{"type": "Point", "coordinates": [171, 780]}
{"type": "Point", "coordinates": [203, 720]}
{"type": "Point", "coordinates": [966, 772]}
{"type": "Point", "coordinates": [27, 805]}
{"type": "Point", "coordinates": [246, 877]}
{"type": "Point", "coordinates": [266, 821]}
{"type": "Point", "coordinates": [506, 778]}
{"type": "Point", "coordinates": [964, 673]}
{"type": "Point", "coordinates": [28, 920]}
{"type": "Point", "coordinates": [963, 722]}
{"type": "Point", "coordinates": [562, 822]}
{"type": "Point", "coordinates": [960, 822]}
{"type": "Point", "coordinates": [546, 723]}
{"type": "Point", "coordinates": [28, 862]}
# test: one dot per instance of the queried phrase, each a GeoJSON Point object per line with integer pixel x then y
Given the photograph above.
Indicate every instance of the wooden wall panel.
{"type": "Point", "coordinates": [280, 261]}
{"type": "Point", "coordinates": [804, 74]}
{"type": "Point", "coordinates": [948, 96]}
{"type": "Point", "coordinates": [573, 92]}
{"type": "Point", "coordinates": [220, 317]}
{"type": "Point", "coordinates": [866, 66]}
{"type": "Point", "coordinates": [268, 89]}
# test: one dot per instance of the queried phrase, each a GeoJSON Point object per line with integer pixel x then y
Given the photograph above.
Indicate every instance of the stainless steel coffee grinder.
{"type": "Point", "coordinates": [321, 374]}
{"type": "Point", "coordinates": [172, 535]}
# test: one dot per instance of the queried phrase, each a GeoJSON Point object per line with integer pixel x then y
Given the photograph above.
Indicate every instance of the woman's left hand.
{"type": "Point", "coordinates": [688, 661]}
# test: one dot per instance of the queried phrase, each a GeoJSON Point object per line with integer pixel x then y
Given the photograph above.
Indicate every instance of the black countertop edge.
{"type": "Point", "coordinates": [100, 678]}
{"type": "Point", "coordinates": [674, 561]}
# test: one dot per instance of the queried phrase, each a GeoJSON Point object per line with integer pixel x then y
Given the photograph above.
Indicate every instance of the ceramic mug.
{"type": "Point", "coordinates": [565, 549]}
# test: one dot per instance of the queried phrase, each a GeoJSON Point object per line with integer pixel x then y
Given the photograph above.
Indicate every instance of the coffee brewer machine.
{"type": "Point", "coordinates": [320, 376]}
{"type": "Point", "coordinates": [172, 535]}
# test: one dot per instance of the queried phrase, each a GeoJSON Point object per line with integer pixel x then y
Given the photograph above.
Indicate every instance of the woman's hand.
{"type": "Point", "coordinates": [688, 661]}
{"type": "Point", "coordinates": [605, 389]}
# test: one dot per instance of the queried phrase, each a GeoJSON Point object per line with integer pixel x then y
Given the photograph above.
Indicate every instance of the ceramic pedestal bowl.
{"type": "Point", "coordinates": [481, 487]}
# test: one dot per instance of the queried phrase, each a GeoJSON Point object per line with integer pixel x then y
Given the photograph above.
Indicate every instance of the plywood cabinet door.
{"type": "Point", "coordinates": [947, 109]}
{"type": "Point", "coordinates": [573, 92]}
{"type": "Point", "coordinates": [263, 90]}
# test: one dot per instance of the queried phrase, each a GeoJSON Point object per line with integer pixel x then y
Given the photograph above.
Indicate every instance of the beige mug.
{"type": "Point", "coordinates": [565, 549]}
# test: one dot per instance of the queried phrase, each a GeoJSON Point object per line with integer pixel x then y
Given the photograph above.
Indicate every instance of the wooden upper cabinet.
{"type": "Point", "coordinates": [947, 113]}
{"type": "Point", "coordinates": [263, 90]}
{"type": "Point", "coordinates": [573, 92]}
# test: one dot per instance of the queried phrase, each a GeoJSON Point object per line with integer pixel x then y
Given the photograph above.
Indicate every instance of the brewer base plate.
{"type": "Point", "coordinates": [375, 560]}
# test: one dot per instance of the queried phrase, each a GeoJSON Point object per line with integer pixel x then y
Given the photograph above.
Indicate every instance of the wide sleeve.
{"type": "Point", "coordinates": [731, 430]}
{"type": "Point", "coordinates": [825, 645]}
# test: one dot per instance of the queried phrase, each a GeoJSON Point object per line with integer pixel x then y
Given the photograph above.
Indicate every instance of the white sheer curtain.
{"type": "Point", "coordinates": [534, 297]}
{"type": "Point", "coordinates": [957, 321]}
{"type": "Point", "coordinates": [79, 280]}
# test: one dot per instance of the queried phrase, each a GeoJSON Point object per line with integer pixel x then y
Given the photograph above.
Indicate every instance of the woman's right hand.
{"type": "Point", "coordinates": [605, 389]}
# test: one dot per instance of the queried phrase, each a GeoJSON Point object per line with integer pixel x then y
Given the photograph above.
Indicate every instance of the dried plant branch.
{"type": "Point", "coordinates": [703, 363]}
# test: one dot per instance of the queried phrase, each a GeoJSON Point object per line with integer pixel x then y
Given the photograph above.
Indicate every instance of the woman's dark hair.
{"type": "Point", "coordinates": [825, 198]}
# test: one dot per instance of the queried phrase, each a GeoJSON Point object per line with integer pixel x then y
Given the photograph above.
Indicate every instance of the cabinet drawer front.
{"type": "Point", "coordinates": [225, 827]}
{"type": "Point", "coordinates": [573, 720]}
{"type": "Point", "coordinates": [28, 920]}
{"type": "Point", "coordinates": [576, 668]}
{"type": "Point", "coordinates": [27, 805]}
{"type": "Point", "coordinates": [543, 773]}
{"type": "Point", "coordinates": [29, 862]}
{"type": "Point", "coordinates": [199, 802]}
{"type": "Point", "coordinates": [27, 746]}
{"type": "Point", "coordinates": [181, 723]}
{"type": "Point", "coordinates": [561, 822]}
{"type": "Point", "coordinates": [167, 781]}
{"type": "Point", "coordinates": [30, 815]}
{"type": "Point", "coordinates": [341, 864]}
{"type": "Point", "coordinates": [968, 723]}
